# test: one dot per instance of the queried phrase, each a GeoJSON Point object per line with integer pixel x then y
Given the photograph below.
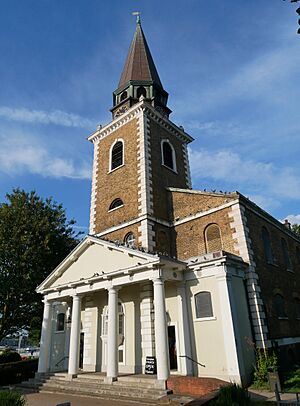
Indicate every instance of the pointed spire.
{"type": "Point", "coordinates": [139, 65]}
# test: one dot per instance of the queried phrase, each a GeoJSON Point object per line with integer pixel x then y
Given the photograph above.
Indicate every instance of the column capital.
{"type": "Point", "coordinates": [158, 280]}
{"type": "Point", "coordinates": [113, 288]}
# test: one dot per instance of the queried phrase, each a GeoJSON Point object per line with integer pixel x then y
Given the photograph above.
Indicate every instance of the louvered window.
{"type": "Point", "coordinates": [115, 204]}
{"type": "Point", "coordinates": [203, 305]}
{"type": "Point", "coordinates": [117, 155]}
{"type": "Point", "coordinates": [213, 238]}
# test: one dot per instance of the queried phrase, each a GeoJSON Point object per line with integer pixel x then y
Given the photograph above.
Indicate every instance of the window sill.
{"type": "Point", "coordinates": [170, 169]}
{"type": "Point", "coordinates": [115, 208]}
{"type": "Point", "coordinates": [115, 169]}
{"type": "Point", "coordinates": [205, 319]}
{"type": "Point", "coordinates": [290, 270]}
{"type": "Point", "coordinates": [282, 318]}
{"type": "Point", "coordinates": [60, 332]}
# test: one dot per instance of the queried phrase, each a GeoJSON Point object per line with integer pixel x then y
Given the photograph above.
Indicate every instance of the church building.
{"type": "Point", "coordinates": [190, 280]}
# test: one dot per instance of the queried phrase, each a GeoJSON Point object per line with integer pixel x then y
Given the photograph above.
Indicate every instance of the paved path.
{"type": "Point", "coordinates": [49, 399]}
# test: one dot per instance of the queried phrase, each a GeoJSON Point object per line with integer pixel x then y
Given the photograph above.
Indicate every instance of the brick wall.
{"type": "Point", "coordinates": [190, 239]}
{"type": "Point", "coordinates": [121, 183]}
{"type": "Point", "coordinates": [275, 278]}
{"type": "Point", "coordinates": [120, 234]}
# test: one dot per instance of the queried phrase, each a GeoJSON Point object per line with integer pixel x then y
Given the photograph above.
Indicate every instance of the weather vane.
{"type": "Point", "coordinates": [138, 16]}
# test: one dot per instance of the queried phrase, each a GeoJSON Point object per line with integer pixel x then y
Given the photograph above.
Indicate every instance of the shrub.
{"type": "Point", "coordinates": [9, 356]}
{"type": "Point", "coordinates": [8, 398]}
{"type": "Point", "coordinates": [232, 395]}
{"type": "Point", "coordinates": [265, 362]}
{"type": "Point", "coordinates": [16, 372]}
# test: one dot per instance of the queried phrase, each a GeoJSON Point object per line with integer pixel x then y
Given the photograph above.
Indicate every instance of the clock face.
{"type": "Point", "coordinates": [121, 111]}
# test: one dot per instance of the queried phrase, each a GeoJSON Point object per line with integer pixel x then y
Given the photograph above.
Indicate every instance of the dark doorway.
{"type": "Point", "coordinates": [81, 350]}
{"type": "Point", "coordinates": [172, 347]}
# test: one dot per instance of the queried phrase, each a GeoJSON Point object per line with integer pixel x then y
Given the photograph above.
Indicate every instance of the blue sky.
{"type": "Point", "coordinates": [231, 69]}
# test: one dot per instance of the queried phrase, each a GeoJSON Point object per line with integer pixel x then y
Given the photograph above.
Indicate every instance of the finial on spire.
{"type": "Point", "coordinates": [138, 16]}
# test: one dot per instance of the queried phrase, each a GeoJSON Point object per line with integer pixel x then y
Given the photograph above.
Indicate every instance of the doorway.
{"type": "Point", "coordinates": [172, 348]}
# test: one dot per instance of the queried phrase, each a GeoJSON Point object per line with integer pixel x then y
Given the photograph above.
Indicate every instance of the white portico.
{"type": "Point", "coordinates": [84, 301]}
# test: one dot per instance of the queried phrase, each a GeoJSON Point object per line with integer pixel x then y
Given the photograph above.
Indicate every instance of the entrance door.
{"type": "Point", "coordinates": [172, 347]}
{"type": "Point", "coordinates": [81, 350]}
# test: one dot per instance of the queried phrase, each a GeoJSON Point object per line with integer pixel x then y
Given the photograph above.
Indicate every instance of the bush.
{"type": "Point", "coordinates": [8, 398]}
{"type": "Point", "coordinates": [9, 356]}
{"type": "Point", "coordinates": [265, 362]}
{"type": "Point", "coordinates": [292, 381]}
{"type": "Point", "coordinates": [232, 395]}
{"type": "Point", "coordinates": [16, 372]}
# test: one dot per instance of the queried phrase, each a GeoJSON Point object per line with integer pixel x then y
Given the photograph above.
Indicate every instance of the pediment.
{"type": "Point", "coordinates": [94, 257]}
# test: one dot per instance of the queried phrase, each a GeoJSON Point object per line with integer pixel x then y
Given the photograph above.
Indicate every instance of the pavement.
{"type": "Point", "coordinates": [267, 396]}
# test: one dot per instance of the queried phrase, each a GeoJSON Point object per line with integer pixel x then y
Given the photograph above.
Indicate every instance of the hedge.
{"type": "Point", "coordinates": [16, 372]}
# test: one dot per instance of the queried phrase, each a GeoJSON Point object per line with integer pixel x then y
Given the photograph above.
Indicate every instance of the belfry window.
{"type": "Point", "coordinates": [279, 307]}
{"type": "Point", "coordinates": [141, 91]}
{"type": "Point", "coordinates": [117, 155]}
{"type": "Point", "coordinates": [115, 204]}
{"type": "Point", "coordinates": [203, 305]}
{"type": "Point", "coordinates": [123, 96]}
{"type": "Point", "coordinates": [168, 155]}
{"type": "Point", "coordinates": [213, 239]}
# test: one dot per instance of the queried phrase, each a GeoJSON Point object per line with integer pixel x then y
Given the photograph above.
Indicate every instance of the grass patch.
{"type": "Point", "coordinates": [291, 381]}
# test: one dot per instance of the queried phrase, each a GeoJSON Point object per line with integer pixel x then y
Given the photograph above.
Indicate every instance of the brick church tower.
{"type": "Point", "coordinates": [137, 156]}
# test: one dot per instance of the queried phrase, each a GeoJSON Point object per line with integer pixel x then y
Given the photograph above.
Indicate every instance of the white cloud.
{"type": "Point", "coordinates": [24, 154]}
{"type": "Point", "coordinates": [57, 117]}
{"type": "Point", "coordinates": [256, 178]}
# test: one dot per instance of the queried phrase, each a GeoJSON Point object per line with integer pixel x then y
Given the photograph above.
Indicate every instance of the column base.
{"type": "Point", "coordinates": [161, 384]}
{"type": "Point", "coordinates": [70, 377]}
{"type": "Point", "coordinates": [109, 380]}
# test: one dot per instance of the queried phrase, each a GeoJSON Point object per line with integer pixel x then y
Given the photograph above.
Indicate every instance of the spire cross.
{"type": "Point", "coordinates": [138, 16]}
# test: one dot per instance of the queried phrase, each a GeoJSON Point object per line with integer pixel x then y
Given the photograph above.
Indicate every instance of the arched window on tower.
{"type": "Point", "coordinates": [285, 253]}
{"type": "Point", "coordinates": [117, 154]}
{"type": "Point", "coordinates": [130, 240]}
{"type": "Point", "coordinates": [115, 204]}
{"type": "Point", "coordinates": [141, 91]}
{"type": "Point", "coordinates": [213, 240]}
{"type": "Point", "coordinates": [168, 155]}
{"type": "Point", "coordinates": [267, 245]}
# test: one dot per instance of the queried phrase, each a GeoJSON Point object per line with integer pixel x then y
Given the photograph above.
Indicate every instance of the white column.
{"type": "Point", "coordinates": [161, 336]}
{"type": "Point", "coordinates": [45, 337]}
{"type": "Point", "coordinates": [184, 332]}
{"type": "Point", "coordinates": [112, 335]}
{"type": "Point", "coordinates": [75, 337]}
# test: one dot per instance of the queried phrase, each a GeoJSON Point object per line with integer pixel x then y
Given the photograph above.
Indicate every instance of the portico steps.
{"type": "Point", "coordinates": [126, 387]}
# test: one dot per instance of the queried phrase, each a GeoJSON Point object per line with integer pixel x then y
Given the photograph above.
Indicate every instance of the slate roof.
{"type": "Point", "coordinates": [139, 63]}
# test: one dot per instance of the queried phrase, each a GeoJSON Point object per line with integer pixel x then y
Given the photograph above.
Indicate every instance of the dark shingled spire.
{"type": "Point", "coordinates": [139, 64]}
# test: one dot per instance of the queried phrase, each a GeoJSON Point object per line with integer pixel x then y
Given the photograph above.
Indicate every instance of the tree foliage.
{"type": "Point", "coordinates": [35, 236]}
{"type": "Point", "coordinates": [296, 229]}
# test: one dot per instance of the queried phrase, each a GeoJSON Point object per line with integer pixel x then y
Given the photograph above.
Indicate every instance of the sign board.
{"type": "Point", "coordinates": [150, 367]}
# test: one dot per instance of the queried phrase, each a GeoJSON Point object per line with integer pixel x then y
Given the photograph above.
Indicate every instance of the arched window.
{"type": "Point", "coordinates": [130, 240]}
{"type": "Point", "coordinates": [60, 322]}
{"type": "Point", "coordinates": [168, 155]}
{"type": "Point", "coordinates": [116, 155]}
{"type": "Point", "coordinates": [279, 306]}
{"type": "Point", "coordinates": [213, 241]}
{"type": "Point", "coordinates": [285, 253]}
{"type": "Point", "coordinates": [141, 91]}
{"type": "Point", "coordinates": [203, 305]}
{"type": "Point", "coordinates": [115, 204]}
{"type": "Point", "coordinates": [267, 245]}
{"type": "Point", "coordinates": [123, 96]}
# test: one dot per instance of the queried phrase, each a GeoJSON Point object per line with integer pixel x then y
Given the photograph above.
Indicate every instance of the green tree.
{"type": "Point", "coordinates": [296, 229]}
{"type": "Point", "coordinates": [35, 236]}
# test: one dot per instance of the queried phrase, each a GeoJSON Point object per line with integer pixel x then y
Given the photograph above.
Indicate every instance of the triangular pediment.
{"type": "Point", "coordinates": [94, 257]}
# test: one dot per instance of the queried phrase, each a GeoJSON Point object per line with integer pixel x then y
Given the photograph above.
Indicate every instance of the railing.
{"type": "Point", "coordinates": [61, 360]}
{"type": "Point", "coordinates": [191, 359]}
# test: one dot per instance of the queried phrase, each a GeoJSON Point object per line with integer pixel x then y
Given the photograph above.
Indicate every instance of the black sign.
{"type": "Point", "coordinates": [150, 367]}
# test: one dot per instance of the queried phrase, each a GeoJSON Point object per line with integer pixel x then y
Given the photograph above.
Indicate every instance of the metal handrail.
{"type": "Point", "coordinates": [65, 357]}
{"type": "Point", "coordinates": [196, 362]}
